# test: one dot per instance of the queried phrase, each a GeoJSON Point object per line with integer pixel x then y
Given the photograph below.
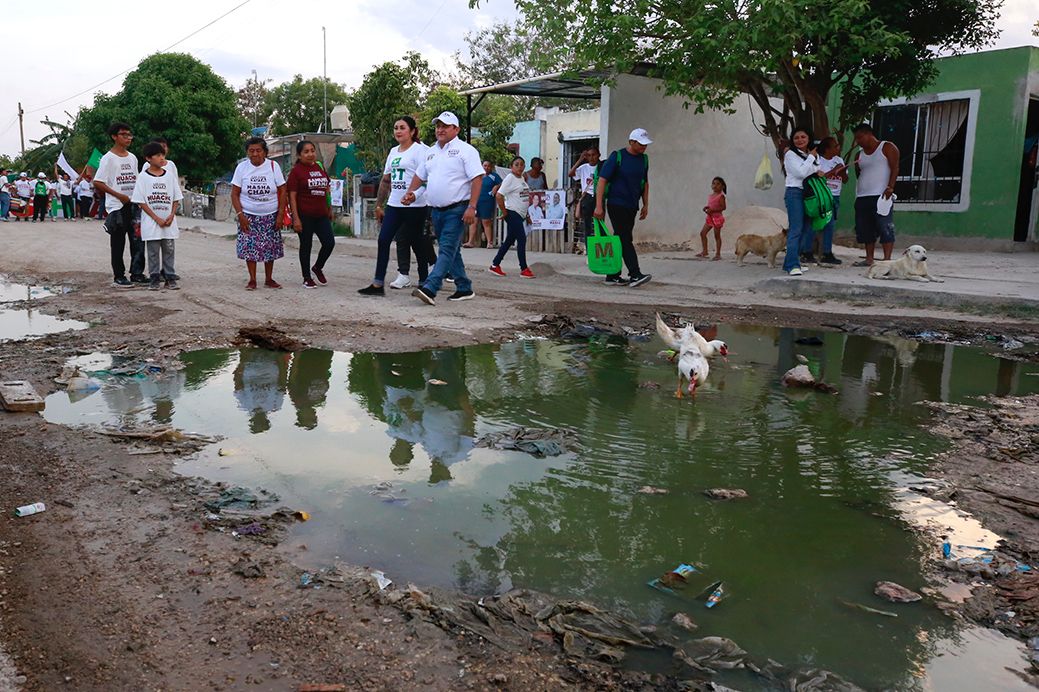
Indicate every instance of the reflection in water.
{"type": "Point", "coordinates": [825, 476]}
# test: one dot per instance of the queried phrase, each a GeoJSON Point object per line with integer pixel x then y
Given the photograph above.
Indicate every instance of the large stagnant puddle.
{"type": "Point", "coordinates": [19, 318]}
{"type": "Point", "coordinates": [828, 513]}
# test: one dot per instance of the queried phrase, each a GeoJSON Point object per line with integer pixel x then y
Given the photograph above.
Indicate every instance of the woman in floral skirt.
{"type": "Point", "coordinates": [258, 198]}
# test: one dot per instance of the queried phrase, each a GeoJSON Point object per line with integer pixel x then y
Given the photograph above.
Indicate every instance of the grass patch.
{"type": "Point", "coordinates": [343, 230]}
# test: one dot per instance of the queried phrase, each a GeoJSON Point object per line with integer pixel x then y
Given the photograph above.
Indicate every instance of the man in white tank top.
{"type": "Point", "coordinates": [876, 170]}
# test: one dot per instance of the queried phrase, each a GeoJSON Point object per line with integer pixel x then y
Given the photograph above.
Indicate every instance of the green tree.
{"type": "Point", "coordinates": [251, 99]}
{"type": "Point", "coordinates": [386, 93]}
{"type": "Point", "coordinates": [175, 96]}
{"type": "Point", "coordinates": [493, 121]}
{"type": "Point", "coordinates": [711, 53]}
{"type": "Point", "coordinates": [443, 98]}
{"type": "Point", "coordinates": [298, 105]}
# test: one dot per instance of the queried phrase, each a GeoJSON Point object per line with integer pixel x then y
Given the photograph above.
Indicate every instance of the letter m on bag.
{"type": "Point", "coordinates": [603, 251]}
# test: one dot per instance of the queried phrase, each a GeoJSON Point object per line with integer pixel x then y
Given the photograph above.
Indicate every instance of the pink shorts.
{"type": "Point", "coordinates": [716, 220]}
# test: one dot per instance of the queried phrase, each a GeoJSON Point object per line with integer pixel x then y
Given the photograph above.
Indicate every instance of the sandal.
{"type": "Point", "coordinates": [271, 283]}
{"type": "Point", "coordinates": [251, 286]}
{"type": "Point", "coordinates": [862, 263]}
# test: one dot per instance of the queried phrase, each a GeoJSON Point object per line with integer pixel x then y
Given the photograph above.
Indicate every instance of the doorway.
{"type": "Point", "coordinates": [1028, 194]}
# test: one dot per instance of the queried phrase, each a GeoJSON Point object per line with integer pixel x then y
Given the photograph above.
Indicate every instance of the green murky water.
{"type": "Point", "coordinates": [827, 518]}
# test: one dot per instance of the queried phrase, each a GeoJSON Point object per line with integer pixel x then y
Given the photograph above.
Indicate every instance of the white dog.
{"type": "Point", "coordinates": [911, 265]}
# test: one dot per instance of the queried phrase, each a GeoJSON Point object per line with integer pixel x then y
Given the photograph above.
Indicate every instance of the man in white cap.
{"type": "Point", "coordinates": [452, 173]}
{"type": "Point", "coordinates": [23, 188]}
{"type": "Point", "coordinates": [41, 197]}
{"type": "Point", "coordinates": [623, 184]}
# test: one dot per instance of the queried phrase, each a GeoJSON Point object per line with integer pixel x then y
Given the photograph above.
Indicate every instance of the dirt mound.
{"type": "Point", "coordinates": [269, 336]}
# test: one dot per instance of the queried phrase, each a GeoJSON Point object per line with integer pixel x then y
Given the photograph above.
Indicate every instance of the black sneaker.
{"type": "Point", "coordinates": [139, 279]}
{"type": "Point", "coordinates": [829, 259]}
{"type": "Point", "coordinates": [637, 281]}
{"type": "Point", "coordinates": [807, 258]}
{"type": "Point", "coordinates": [462, 295]}
{"type": "Point", "coordinates": [427, 298]}
{"type": "Point", "coordinates": [154, 284]}
{"type": "Point", "coordinates": [122, 282]}
{"type": "Point", "coordinates": [171, 285]}
{"type": "Point", "coordinates": [372, 290]}
{"type": "Point", "coordinates": [615, 281]}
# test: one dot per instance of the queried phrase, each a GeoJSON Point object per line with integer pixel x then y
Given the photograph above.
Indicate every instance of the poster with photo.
{"type": "Point", "coordinates": [547, 210]}
{"type": "Point", "coordinates": [336, 189]}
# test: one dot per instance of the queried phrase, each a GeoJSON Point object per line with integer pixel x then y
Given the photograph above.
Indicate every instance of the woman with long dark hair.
{"type": "Point", "coordinates": [405, 223]}
{"type": "Point", "coordinates": [800, 161]}
{"type": "Point", "coordinates": [312, 213]}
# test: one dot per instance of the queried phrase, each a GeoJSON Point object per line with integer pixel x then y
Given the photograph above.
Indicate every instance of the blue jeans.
{"type": "Point", "coordinates": [5, 204]}
{"type": "Point", "coordinates": [515, 234]}
{"type": "Point", "coordinates": [798, 226]}
{"type": "Point", "coordinates": [449, 230]}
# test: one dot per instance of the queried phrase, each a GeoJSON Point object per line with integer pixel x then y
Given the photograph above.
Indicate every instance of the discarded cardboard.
{"type": "Point", "coordinates": [19, 395]}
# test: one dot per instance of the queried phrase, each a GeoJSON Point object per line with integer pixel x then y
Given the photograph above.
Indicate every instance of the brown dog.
{"type": "Point", "coordinates": [762, 246]}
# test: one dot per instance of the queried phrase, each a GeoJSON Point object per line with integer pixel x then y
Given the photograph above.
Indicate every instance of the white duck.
{"type": "Point", "coordinates": [692, 364]}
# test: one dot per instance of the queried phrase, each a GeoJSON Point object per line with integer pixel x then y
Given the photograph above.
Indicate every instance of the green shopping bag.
{"type": "Point", "coordinates": [604, 250]}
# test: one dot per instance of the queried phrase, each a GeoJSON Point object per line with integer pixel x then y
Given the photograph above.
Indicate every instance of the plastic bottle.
{"type": "Point", "coordinates": [946, 549]}
{"type": "Point", "coordinates": [34, 508]}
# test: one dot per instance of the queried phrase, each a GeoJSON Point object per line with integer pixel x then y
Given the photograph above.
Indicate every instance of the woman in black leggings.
{"type": "Point", "coordinates": [311, 211]}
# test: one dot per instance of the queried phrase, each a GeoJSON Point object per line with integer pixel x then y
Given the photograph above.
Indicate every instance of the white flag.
{"type": "Point", "coordinates": [65, 166]}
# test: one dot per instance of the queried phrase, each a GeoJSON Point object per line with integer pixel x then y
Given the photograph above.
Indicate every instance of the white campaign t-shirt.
{"type": "Point", "coordinates": [159, 192]}
{"type": "Point", "coordinates": [259, 186]}
{"type": "Point", "coordinates": [401, 167]}
{"type": "Point", "coordinates": [65, 187]}
{"type": "Point", "coordinates": [586, 176]}
{"type": "Point", "coordinates": [118, 173]}
{"type": "Point", "coordinates": [23, 187]}
{"type": "Point", "coordinates": [170, 166]}
{"type": "Point", "coordinates": [825, 166]}
{"type": "Point", "coordinates": [85, 188]}
{"type": "Point", "coordinates": [516, 192]}
{"type": "Point", "coordinates": [449, 171]}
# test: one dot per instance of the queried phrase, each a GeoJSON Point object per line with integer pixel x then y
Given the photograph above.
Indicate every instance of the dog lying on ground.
{"type": "Point", "coordinates": [762, 246]}
{"type": "Point", "coordinates": [911, 265]}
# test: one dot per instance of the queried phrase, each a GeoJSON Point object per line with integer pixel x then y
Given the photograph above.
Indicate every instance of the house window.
{"type": "Point", "coordinates": [932, 141]}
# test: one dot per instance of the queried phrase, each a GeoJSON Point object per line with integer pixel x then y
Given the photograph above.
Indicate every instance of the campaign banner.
{"type": "Point", "coordinates": [547, 210]}
{"type": "Point", "coordinates": [336, 189]}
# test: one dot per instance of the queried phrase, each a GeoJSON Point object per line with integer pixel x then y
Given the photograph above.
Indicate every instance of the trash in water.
{"type": "Point", "coordinates": [253, 529]}
{"type": "Point", "coordinates": [895, 593]}
{"type": "Point", "coordinates": [437, 382]}
{"type": "Point", "coordinates": [27, 510]}
{"type": "Point", "coordinates": [867, 609]}
{"type": "Point", "coordinates": [650, 490]}
{"type": "Point", "coordinates": [305, 580]}
{"type": "Point", "coordinates": [684, 621]}
{"type": "Point", "coordinates": [81, 383]}
{"type": "Point", "coordinates": [714, 594]}
{"type": "Point", "coordinates": [301, 515]}
{"type": "Point", "coordinates": [809, 341]}
{"type": "Point", "coordinates": [801, 376]}
{"type": "Point", "coordinates": [539, 442]}
{"type": "Point", "coordinates": [233, 498]}
{"type": "Point", "coordinates": [228, 451]}
{"type": "Point", "coordinates": [726, 494]}
{"type": "Point", "coordinates": [649, 385]}
{"type": "Point", "coordinates": [381, 579]}
{"type": "Point", "coordinates": [678, 578]}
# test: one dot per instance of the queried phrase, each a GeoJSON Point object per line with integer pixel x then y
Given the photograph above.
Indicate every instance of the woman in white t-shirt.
{"type": "Point", "coordinates": [800, 161]}
{"type": "Point", "coordinates": [258, 198]}
{"type": "Point", "coordinates": [406, 224]}
{"type": "Point", "coordinates": [513, 196]}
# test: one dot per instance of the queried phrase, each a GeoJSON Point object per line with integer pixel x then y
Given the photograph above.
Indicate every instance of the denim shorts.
{"type": "Point", "coordinates": [871, 226]}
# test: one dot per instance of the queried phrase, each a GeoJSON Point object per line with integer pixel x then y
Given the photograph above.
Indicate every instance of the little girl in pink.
{"type": "Point", "coordinates": [715, 217]}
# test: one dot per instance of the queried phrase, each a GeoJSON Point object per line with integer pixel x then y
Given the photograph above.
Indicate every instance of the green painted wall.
{"type": "Point", "coordinates": [1002, 76]}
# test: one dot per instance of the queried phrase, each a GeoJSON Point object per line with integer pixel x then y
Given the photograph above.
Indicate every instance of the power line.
{"type": "Point", "coordinates": [167, 48]}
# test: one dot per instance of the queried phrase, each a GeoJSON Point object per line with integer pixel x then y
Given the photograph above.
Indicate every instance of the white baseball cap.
{"type": "Point", "coordinates": [41, 174]}
{"type": "Point", "coordinates": [640, 136]}
{"type": "Point", "coordinates": [23, 174]}
{"type": "Point", "coordinates": [447, 118]}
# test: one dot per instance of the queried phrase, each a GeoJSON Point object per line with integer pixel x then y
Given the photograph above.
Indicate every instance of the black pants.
{"type": "Point", "coordinates": [587, 218]}
{"type": "Point", "coordinates": [320, 226]}
{"type": "Point", "coordinates": [40, 205]}
{"type": "Point", "coordinates": [120, 226]}
{"type": "Point", "coordinates": [623, 221]}
{"type": "Point", "coordinates": [84, 207]}
{"type": "Point", "coordinates": [407, 227]}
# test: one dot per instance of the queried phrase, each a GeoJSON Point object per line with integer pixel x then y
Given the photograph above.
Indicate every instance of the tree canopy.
{"type": "Point", "coordinates": [711, 53]}
{"type": "Point", "coordinates": [251, 100]}
{"type": "Point", "coordinates": [175, 96]}
{"type": "Point", "coordinates": [387, 92]}
{"type": "Point", "coordinates": [298, 105]}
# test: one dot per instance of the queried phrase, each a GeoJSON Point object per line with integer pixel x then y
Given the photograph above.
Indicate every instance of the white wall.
{"type": "Point", "coordinates": [688, 150]}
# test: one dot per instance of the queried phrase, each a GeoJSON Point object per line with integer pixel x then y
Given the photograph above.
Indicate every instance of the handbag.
{"type": "Point", "coordinates": [604, 250]}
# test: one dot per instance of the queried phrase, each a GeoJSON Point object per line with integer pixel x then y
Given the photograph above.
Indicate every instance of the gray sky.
{"type": "Point", "coordinates": [62, 47]}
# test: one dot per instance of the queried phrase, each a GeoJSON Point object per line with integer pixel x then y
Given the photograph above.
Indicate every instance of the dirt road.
{"type": "Point", "coordinates": [119, 586]}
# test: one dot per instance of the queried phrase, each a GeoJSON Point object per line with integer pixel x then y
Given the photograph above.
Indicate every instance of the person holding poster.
{"type": "Point", "coordinates": [312, 213]}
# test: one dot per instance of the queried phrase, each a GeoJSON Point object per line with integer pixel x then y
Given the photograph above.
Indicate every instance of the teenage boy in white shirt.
{"type": "Point", "coordinates": [116, 177]}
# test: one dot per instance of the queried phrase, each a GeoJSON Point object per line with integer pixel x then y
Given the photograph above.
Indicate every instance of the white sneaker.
{"type": "Point", "coordinates": [402, 281]}
{"type": "Point", "coordinates": [796, 271]}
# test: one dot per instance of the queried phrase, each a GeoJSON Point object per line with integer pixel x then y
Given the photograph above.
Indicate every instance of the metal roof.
{"type": "Point", "coordinates": [569, 85]}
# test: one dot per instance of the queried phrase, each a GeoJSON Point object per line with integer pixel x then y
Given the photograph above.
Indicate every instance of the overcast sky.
{"type": "Point", "coordinates": [62, 47]}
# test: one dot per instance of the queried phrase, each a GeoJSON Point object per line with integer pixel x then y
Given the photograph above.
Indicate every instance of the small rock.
{"type": "Point", "coordinates": [684, 621]}
{"type": "Point", "coordinates": [726, 494]}
{"type": "Point", "coordinates": [499, 678]}
{"type": "Point", "coordinates": [895, 593]}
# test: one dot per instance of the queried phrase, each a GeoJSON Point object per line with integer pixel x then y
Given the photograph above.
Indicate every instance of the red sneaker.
{"type": "Point", "coordinates": [319, 275]}
{"type": "Point", "coordinates": [309, 283]}
{"type": "Point", "coordinates": [527, 274]}
{"type": "Point", "coordinates": [496, 270]}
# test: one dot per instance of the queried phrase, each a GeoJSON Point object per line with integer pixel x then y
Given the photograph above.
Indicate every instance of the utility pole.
{"type": "Point", "coordinates": [324, 74]}
{"type": "Point", "coordinates": [256, 106]}
{"type": "Point", "coordinates": [21, 128]}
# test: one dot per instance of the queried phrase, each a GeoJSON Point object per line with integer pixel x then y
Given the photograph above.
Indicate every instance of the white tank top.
{"type": "Point", "coordinates": [873, 173]}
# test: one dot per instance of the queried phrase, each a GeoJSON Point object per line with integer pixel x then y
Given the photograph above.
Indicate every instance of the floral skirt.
{"type": "Point", "coordinates": [263, 241]}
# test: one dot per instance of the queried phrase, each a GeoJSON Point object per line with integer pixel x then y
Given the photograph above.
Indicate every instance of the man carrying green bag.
{"type": "Point", "coordinates": [604, 250]}
{"type": "Point", "coordinates": [623, 183]}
